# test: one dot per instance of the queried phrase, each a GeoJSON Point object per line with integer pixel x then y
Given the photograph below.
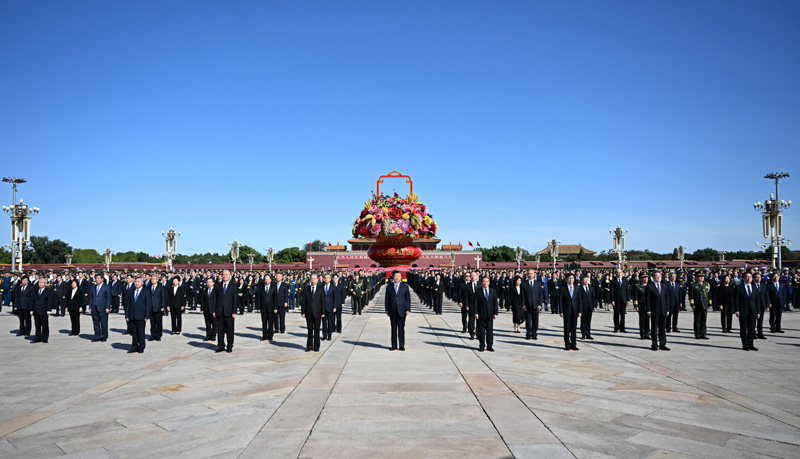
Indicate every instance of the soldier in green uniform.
{"type": "Point", "coordinates": [638, 304]}
{"type": "Point", "coordinates": [700, 301]}
{"type": "Point", "coordinates": [356, 290]}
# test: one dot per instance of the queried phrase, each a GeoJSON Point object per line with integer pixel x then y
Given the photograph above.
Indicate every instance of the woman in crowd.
{"type": "Point", "coordinates": [176, 303]}
{"type": "Point", "coordinates": [518, 316]}
{"type": "Point", "coordinates": [74, 303]}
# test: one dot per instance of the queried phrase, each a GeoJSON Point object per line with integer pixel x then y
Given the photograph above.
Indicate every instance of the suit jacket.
{"type": "Point", "coordinates": [483, 308]}
{"type": "Point", "coordinates": [620, 293]}
{"type": "Point", "coordinates": [116, 288]}
{"type": "Point", "coordinates": [332, 300]}
{"type": "Point", "coordinates": [674, 294]}
{"type": "Point", "coordinates": [158, 298]}
{"type": "Point", "coordinates": [41, 304]}
{"type": "Point", "coordinates": [532, 296]}
{"type": "Point", "coordinates": [570, 305]}
{"type": "Point", "coordinates": [398, 303]}
{"type": "Point", "coordinates": [62, 290]}
{"type": "Point", "coordinates": [267, 301]}
{"type": "Point", "coordinates": [342, 291]}
{"type": "Point", "coordinates": [752, 304]}
{"type": "Point", "coordinates": [100, 301]}
{"type": "Point", "coordinates": [313, 306]}
{"type": "Point", "coordinates": [176, 300]}
{"type": "Point", "coordinates": [467, 294]}
{"type": "Point", "coordinates": [74, 303]}
{"type": "Point", "coordinates": [139, 308]}
{"type": "Point", "coordinates": [281, 294]}
{"type": "Point", "coordinates": [227, 299]}
{"type": "Point", "coordinates": [587, 298]}
{"type": "Point", "coordinates": [655, 302]}
{"type": "Point", "coordinates": [775, 297]}
{"type": "Point", "coordinates": [208, 303]}
{"type": "Point", "coordinates": [23, 299]}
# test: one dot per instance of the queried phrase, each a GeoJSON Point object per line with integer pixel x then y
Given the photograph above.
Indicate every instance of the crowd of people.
{"type": "Point", "coordinates": [658, 299]}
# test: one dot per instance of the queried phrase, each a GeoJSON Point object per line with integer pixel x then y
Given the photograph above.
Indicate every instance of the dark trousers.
{"type": "Point", "coordinates": [747, 331]}
{"type": "Point", "coordinates": [356, 302]}
{"type": "Point", "coordinates": [337, 324]}
{"type": "Point", "coordinates": [531, 323]}
{"type": "Point", "coordinates": [468, 320]}
{"type": "Point", "coordinates": [775, 313]}
{"type": "Point", "coordinates": [156, 325]}
{"type": "Point", "coordinates": [658, 329]}
{"type": "Point", "coordinates": [644, 323]}
{"type": "Point", "coordinates": [570, 330]}
{"type": "Point", "coordinates": [619, 316]}
{"type": "Point", "coordinates": [398, 323]}
{"type": "Point", "coordinates": [75, 319]}
{"type": "Point", "coordinates": [24, 321]}
{"type": "Point", "coordinates": [267, 323]}
{"type": "Point", "coordinates": [100, 321]}
{"type": "Point", "coordinates": [673, 318]}
{"type": "Point", "coordinates": [280, 319]}
{"type": "Point", "coordinates": [211, 325]}
{"type": "Point", "coordinates": [42, 327]}
{"type": "Point", "coordinates": [176, 319]}
{"type": "Point", "coordinates": [759, 325]}
{"type": "Point", "coordinates": [115, 304]}
{"type": "Point", "coordinates": [485, 331]}
{"type": "Point", "coordinates": [328, 324]}
{"type": "Point", "coordinates": [137, 335]}
{"type": "Point", "coordinates": [275, 317]}
{"type": "Point", "coordinates": [62, 307]}
{"type": "Point", "coordinates": [437, 303]}
{"type": "Point", "coordinates": [225, 329]}
{"type": "Point", "coordinates": [313, 324]}
{"type": "Point", "coordinates": [726, 317]}
{"type": "Point", "coordinates": [586, 323]}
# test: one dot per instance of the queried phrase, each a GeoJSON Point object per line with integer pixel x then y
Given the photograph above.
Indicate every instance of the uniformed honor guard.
{"type": "Point", "coordinates": [638, 303]}
{"type": "Point", "coordinates": [700, 301]}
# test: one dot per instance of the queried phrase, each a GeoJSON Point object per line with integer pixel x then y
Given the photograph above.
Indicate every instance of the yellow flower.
{"type": "Point", "coordinates": [427, 220]}
{"type": "Point", "coordinates": [405, 216]}
{"type": "Point", "coordinates": [411, 198]}
{"type": "Point", "coordinates": [398, 231]}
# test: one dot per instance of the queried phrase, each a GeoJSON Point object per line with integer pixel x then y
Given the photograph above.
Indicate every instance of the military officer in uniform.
{"type": "Point", "coordinates": [700, 301]}
{"type": "Point", "coordinates": [640, 290]}
{"type": "Point", "coordinates": [356, 293]}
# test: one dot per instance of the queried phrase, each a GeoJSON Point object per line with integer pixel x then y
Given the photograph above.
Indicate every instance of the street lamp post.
{"type": "Point", "coordinates": [452, 259]}
{"type": "Point", "coordinates": [171, 238]}
{"type": "Point", "coordinates": [519, 253]}
{"type": "Point", "coordinates": [250, 257]}
{"type": "Point", "coordinates": [538, 257]}
{"type": "Point", "coordinates": [69, 260]}
{"type": "Point", "coordinates": [107, 257]}
{"type": "Point", "coordinates": [554, 251]}
{"type": "Point", "coordinates": [20, 223]}
{"type": "Point", "coordinates": [270, 257]}
{"type": "Point", "coordinates": [681, 254]}
{"type": "Point", "coordinates": [722, 256]}
{"type": "Point", "coordinates": [619, 244]}
{"type": "Point", "coordinates": [234, 252]}
{"type": "Point", "coordinates": [772, 219]}
{"type": "Point", "coordinates": [335, 260]}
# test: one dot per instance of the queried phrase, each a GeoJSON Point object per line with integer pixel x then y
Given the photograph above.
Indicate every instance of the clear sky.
{"type": "Point", "coordinates": [519, 121]}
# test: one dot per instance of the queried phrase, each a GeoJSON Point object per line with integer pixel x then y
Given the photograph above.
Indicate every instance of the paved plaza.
{"type": "Point", "coordinates": [441, 398]}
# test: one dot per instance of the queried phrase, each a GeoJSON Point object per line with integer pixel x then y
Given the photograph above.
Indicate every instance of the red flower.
{"type": "Point", "coordinates": [410, 229]}
{"type": "Point", "coordinates": [363, 230]}
{"type": "Point", "coordinates": [395, 213]}
{"type": "Point", "coordinates": [364, 213]}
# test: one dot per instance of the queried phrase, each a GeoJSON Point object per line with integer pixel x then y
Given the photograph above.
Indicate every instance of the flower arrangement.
{"type": "Point", "coordinates": [385, 215]}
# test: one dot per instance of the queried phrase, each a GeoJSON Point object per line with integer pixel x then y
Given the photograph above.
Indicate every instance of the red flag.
{"type": "Point", "coordinates": [479, 244]}
{"type": "Point", "coordinates": [470, 243]}
{"type": "Point", "coordinates": [329, 242]}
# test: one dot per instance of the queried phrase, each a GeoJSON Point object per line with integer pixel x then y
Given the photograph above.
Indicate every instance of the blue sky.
{"type": "Point", "coordinates": [519, 121]}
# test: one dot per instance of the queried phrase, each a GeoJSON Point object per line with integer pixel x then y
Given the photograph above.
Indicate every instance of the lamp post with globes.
{"type": "Point", "coordinates": [681, 254]}
{"type": "Point", "coordinates": [107, 257]}
{"type": "Point", "coordinates": [234, 252]}
{"type": "Point", "coordinates": [20, 223]}
{"type": "Point", "coordinates": [270, 257]}
{"type": "Point", "coordinates": [519, 252]}
{"type": "Point", "coordinates": [772, 219]}
{"type": "Point", "coordinates": [250, 258]}
{"type": "Point", "coordinates": [554, 251]}
{"type": "Point", "coordinates": [619, 244]}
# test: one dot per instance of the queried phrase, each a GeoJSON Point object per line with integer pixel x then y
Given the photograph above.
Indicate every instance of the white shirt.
{"type": "Point", "coordinates": [74, 291]}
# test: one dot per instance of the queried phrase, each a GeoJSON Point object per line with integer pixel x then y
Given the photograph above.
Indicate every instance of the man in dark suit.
{"type": "Point", "coordinates": [485, 309]}
{"type": "Point", "coordinates": [571, 307]}
{"type": "Point", "coordinates": [127, 289]}
{"type": "Point", "coordinates": [340, 293]}
{"type": "Point", "coordinates": [761, 290]}
{"type": "Point", "coordinates": [266, 299]}
{"type": "Point", "coordinates": [207, 298]}
{"type": "Point", "coordinates": [586, 291]}
{"type": "Point", "coordinates": [227, 304]}
{"type": "Point", "coordinates": [116, 293]}
{"type": "Point", "coordinates": [748, 306]}
{"type": "Point", "coordinates": [22, 301]}
{"type": "Point", "coordinates": [137, 314]}
{"type": "Point", "coordinates": [619, 300]}
{"type": "Point", "coordinates": [776, 304]}
{"type": "Point", "coordinates": [469, 287]}
{"type": "Point", "coordinates": [100, 304]}
{"type": "Point", "coordinates": [282, 301]}
{"type": "Point", "coordinates": [158, 300]}
{"type": "Point", "coordinates": [313, 310]}
{"type": "Point", "coordinates": [331, 306]}
{"type": "Point", "coordinates": [656, 303]}
{"type": "Point", "coordinates": [42, 302]}
{"type": "Point", "coordinates": [398, 306]}
{"type": "Point", "coordinates": [61, 294]}
{"type": "Point", "coordinates": [675, 300]}
{"type": "Point", "coordinates": [532, 300]}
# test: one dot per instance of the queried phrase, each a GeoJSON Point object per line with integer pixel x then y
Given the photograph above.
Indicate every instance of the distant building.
{"type": "Point", "coordinates": [565, 250]}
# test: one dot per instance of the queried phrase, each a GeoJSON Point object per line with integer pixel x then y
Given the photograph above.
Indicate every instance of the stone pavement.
{"type": "Point", "coordinates": [441, 398]}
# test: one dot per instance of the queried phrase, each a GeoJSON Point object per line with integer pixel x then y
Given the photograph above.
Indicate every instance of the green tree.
{"type": "Point", "coordinates": [707, 254]}
{"type": "Point", "coordinates": [498, 253]}
{"type": "Point", "coordinates": [290, 255]}
{"type": "Point", "coordinates": [44, 251]}
{"type": "Point", "coordinates": [86, 256]}
{"type": "Point", "coordinates": [245, 249]}
{"type": "Point", "coordinates": [314, 246]}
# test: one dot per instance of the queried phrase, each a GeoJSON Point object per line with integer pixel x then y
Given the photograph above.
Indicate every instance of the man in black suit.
{"type": "Point", "coordinates": [486, 310]}
{"type": "Point", "coordinates": [532, 300]}
{"type": "Point", "coordinates": [398, 307]}
{"type": "Point", "coordinates": [571, 307]}
{"type": "Point", "coordinates": [282, 302]}
{"type": "Point", "coordinates": [469, 287]}
{"type": "Point", "coordinates": [129, 287]}
{"type": "Point", "coordinates": [748, 306]}
{"type": "Point", "coordinates": [776, 304]}
{"type": "Point", "coordinates": [42, 302]}
{"type": "Point", "coordinates": [266, 300]}
{"type": "Point", "coordinates": [340, 292]}
{"type": "Point", "coordinates": [656, 303]}
{"type": "Point", "coordinates": [225, 313]}
{"type": "Point", "coordinates": [158, 300]}
{"type": "Point", "coordinates": [22, 302]}
{"type": "Point", "coordinates": [332, 304]}
{"type": "Point", "coordinates": [587, 296]}
{"type": "Point", "coordinates": [207, 298]}
{"type": "Point", "coordinates": [313, 310]}
{"type": "Point", "coordinates": [61, 294]}
{"type": "Point", "coordinates": [619, 300]}
{"type": "Point", "coordinates": [676, 299]}
{"type": "Point", "coordinates": [137, 313]}
{"type": "Point", "coordinates": [761, 290]}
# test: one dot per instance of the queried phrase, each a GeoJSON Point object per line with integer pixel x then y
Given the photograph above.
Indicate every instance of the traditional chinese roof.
{"type": "Point", "coordinates": [336, 248]}
{"type": "Point", "coordinates": [566, 249]}
{"type": "Point", "coordinates": [451, 247]}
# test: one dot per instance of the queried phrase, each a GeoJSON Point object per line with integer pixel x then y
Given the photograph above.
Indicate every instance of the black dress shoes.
{"type": "Point", "coordinates": [654, 347]}
{"type": "Point", "coordinates": [753, 348]}
{"type": "Point", "coordinates": [745, 348]}
{"type": "Point", "coordinates": [219, 349]}
{"type": "Point", "coordinates": [574, 348]}
{"type": "Point", "coordinates": [392, 348]}
{"type": "Point", "coordinates": [591, 338]}
{"type": "Point", "coordinates": [403, 349]}
{"type": "Point", "coordinates": [132, 351]}
{"type": "Point", "coordinates": [490, 349]}
{"type": "Point", "coordinates": [664, 348]}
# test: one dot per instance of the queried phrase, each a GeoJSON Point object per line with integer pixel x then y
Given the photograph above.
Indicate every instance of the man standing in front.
{"type": "Point", "coordinates": [266, 295]}
{"type": "Point", "coordinates": [137, 313]}
{"type": "Point", "coordinates": [776, 303]}
{"type": "Point", "coordinates": [748, 306]}
{"type": "Point", "coordinates": [100, 304]}
{"type": "Point", "coordinates": [22, 299]}
{"type": "Point", "coordinates": [312, 309]}
{"type": "Point", "coordinates": [589, 303]}
{"type": "Point", "coordinates": [227, 303]}
{"type": "Point", "coordinates": [398, 306]}
{"type": "Point", "coordinates": [619, 300]}
{"type": "Point", "coordinates": [486, 310]}
{"type": "Point", "coordinates": [43, 301]}
{"type": "Point", "coordinates": [571, 308]}
{"type": "Point", "coordinates": [158, 300]}
{"type": "Point", "coordinates": [331, 306]}
{"type": "Point", "coordinates": [700, 300]}
{"type": "Point", "coordinates": [282, 302]}
{"type": "Point", "coordinates": [656, 303]}
{"type": "Point", "coordinates": [532, 299]}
